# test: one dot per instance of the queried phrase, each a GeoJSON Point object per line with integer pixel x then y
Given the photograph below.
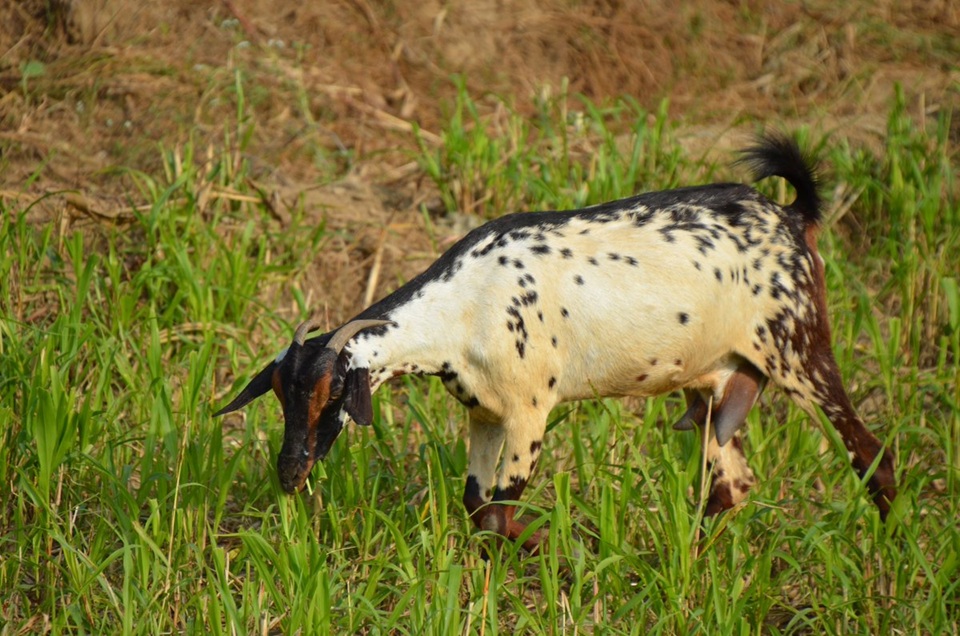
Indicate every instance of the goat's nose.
{"type": "Point", "coordinates": [290, 473]}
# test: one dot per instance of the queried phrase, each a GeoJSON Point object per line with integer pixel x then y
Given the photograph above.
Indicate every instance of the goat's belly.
{"type": "Point", "coordinates": [668, 371]}
{"type": "Point", "coordinates": [651, 373]}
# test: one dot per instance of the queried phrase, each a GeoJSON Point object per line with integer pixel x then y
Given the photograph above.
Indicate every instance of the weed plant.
{"type": "Point", "coordinates": [125, 508]}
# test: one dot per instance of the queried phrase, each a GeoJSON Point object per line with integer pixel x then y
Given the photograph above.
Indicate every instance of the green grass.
{"type": "Point", "coordinates": [126, 508]}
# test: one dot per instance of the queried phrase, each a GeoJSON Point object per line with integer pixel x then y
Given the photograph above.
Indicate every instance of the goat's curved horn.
{"type": "Point", "coordinates": [305, 327]}
{"type": "Point", "coordinates": [339, 340]}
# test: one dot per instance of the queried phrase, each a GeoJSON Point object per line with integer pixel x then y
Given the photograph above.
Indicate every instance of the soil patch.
{"type": "Point", "coordinates": [335, 88]}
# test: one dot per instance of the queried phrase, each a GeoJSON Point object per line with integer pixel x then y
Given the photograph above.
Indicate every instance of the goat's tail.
{"type": "Point", "coordinates": [776, 155]}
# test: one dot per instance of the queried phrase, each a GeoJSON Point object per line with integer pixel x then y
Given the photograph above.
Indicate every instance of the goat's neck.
{"type": "Point", "coordinates": [407, 348]}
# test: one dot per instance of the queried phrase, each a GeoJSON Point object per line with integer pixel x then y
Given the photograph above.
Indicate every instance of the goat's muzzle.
{"type": "Point", "coordinates": [292, 471]}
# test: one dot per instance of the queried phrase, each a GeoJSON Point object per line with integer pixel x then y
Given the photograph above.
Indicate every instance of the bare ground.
{"type": "Point", "coordinates": [334, 88]}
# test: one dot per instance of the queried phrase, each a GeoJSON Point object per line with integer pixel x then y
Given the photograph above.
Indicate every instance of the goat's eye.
{"type": "Point", "coordinates": [336, 388]}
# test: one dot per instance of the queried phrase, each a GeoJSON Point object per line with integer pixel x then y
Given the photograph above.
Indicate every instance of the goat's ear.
{"type": "Point", "coordinates": [356, 396]}
{"type": "Point", "coordinates": [260, 384]}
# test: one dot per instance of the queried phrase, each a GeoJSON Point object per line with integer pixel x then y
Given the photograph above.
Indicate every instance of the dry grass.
{"type": "Point", "coordinates": [333, 91]}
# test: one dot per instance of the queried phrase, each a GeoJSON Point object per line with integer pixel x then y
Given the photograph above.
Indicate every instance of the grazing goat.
{"type": "Point", "coordinates": [711, 289]}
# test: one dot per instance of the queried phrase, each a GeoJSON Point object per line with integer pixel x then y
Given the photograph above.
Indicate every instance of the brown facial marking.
{"type": "Point", "coordinates": [278, 387]}
{"type": "Point", "coordinates": [318, 400]}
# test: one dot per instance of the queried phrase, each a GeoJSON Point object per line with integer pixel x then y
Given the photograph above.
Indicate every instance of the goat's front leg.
{"type": "Point", "coordinates": [489, 505]}
{"type": "Point", "coordinates": [520, 454]}
{"type": "Point", "coordinates": [486, 439]}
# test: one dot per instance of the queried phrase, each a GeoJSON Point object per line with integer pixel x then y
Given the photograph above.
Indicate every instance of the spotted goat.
{"type": "Point", "coordinates": [712, 289]}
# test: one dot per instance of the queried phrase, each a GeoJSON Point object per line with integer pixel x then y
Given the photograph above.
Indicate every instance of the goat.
{"type": "Point", "coordinates": [711, 289]}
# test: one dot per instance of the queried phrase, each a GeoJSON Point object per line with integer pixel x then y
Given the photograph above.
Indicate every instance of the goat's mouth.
{"type": "Point", "coordinates": [293, 471]}
{"type": "Point", "coordinates": [293, 468]}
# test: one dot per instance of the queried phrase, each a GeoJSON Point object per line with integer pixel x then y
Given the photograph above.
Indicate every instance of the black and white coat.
{"type": "Point", "coordinates": [711, 289]}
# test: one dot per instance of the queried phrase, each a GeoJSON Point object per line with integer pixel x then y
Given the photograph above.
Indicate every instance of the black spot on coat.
{"type": "Point", "coordinates": [540, 250]}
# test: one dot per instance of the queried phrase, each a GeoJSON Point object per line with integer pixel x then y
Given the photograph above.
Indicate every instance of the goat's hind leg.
{"type": "Point", "coordinates": [820, 384]}
{"type": "Point", "coordinates": [731, 477]}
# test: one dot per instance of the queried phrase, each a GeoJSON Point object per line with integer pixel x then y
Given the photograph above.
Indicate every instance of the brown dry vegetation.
{"type": "Point", "coordinates": [333, 89]}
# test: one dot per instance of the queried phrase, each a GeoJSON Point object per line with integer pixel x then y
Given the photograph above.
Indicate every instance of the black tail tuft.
{"type": "Point", "coordinates": [780, 156]}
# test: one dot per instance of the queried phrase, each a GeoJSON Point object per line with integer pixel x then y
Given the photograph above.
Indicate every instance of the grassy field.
{"type": "Point", "coordinates": [126, 508]}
